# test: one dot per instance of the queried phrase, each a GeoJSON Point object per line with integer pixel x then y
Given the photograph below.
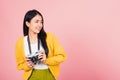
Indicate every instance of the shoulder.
{"type": "Point", "coordinates": [19, 40]}
{"type": "Point", "coordinates": [50, 35]}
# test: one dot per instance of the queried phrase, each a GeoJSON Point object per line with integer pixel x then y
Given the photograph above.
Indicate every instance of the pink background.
{"type": "Point", "coordinates": [88, 30]}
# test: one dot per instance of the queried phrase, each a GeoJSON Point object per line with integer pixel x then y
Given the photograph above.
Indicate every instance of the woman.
{"type": "Point", "coordinates": [38, 53]}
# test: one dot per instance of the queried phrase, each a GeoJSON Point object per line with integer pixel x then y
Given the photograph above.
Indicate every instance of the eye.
{"type": "Point", "coordinates": [41, 21]}
{"type": "Point", "coordinates": [37, 21]}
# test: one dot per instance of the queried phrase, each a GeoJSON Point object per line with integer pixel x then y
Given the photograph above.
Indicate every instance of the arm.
{"type": "Point", "coordinates": [58, 53]}
{"type": "Point", "coordinates": [20, 58]}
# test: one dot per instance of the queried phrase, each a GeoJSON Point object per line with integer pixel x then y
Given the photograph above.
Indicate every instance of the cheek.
{"type": "Point", "coordinates": [38, 27]}
{"type": "Point", "coordinates": [41, 24]}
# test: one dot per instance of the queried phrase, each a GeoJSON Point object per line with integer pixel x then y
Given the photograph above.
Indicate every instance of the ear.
{"type": "Point", "coordinates": [27, 23]}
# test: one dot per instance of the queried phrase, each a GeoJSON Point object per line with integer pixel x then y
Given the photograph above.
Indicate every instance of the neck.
{"type": "Point", "coordinates": [33, 37]}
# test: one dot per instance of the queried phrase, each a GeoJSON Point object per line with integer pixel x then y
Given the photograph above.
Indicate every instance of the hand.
{"type": "Point", "coordinates": [42, 57]}
{"type": "Point", "coordinates": [29, 62]}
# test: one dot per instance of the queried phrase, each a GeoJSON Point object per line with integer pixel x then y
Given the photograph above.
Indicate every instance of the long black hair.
{"type": "Point", "coordinates": [42, 34]}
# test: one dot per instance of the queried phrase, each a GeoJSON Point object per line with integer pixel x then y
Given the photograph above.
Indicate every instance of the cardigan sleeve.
{"type": "Point", "coordinates": [20, 58]}
{"type": "Point", "coordinates": [58, 53]}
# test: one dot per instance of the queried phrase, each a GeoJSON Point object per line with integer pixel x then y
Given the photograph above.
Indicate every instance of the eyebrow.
{"type": "Point", "coordinates": [37, 20]}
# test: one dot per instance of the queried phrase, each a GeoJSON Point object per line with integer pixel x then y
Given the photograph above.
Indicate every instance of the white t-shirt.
{"type": "Point", "coordinates": [34, 49]}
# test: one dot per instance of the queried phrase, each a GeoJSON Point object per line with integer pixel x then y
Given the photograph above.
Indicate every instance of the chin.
{"type": "Point", "coordinates": [37, 32]}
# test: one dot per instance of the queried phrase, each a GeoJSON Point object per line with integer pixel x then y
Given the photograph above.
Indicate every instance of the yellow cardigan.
{"type": "Point", "coordinates": [55, 57]}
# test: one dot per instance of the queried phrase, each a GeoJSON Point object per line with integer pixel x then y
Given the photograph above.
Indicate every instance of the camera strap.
{"type": "Point", "coordinates": [28, 40]}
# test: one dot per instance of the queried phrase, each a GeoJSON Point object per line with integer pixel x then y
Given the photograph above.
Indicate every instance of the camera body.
{"type": "Point", "coordinates": [34, 58]}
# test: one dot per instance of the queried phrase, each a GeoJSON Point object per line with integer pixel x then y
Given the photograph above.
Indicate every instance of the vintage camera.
{"type": "Point", "coordinates": [34, 58]}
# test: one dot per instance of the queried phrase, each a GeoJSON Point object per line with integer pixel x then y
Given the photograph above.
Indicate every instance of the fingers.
{"type": "Point", "coordinates": [29, 63]}
{"type": "Point", "coordinates": [42, 51]}
{"type": "Point", "coordinates": [43, 61]}
{"type": "Point", "coordinates": [27, 59]}
{"type": "Point", "coordinates": [42, 57]}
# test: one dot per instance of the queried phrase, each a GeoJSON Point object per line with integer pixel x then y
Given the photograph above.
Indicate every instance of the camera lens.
{"type": "Point", "coordinates": [34, 59]}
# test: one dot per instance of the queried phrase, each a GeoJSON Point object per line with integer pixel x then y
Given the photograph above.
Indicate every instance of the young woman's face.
{"type": "Point", "coordinates": [35, 25]}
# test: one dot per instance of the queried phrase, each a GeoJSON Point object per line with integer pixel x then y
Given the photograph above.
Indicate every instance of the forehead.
{"type": "Point", "coordinates": [37, 17]}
